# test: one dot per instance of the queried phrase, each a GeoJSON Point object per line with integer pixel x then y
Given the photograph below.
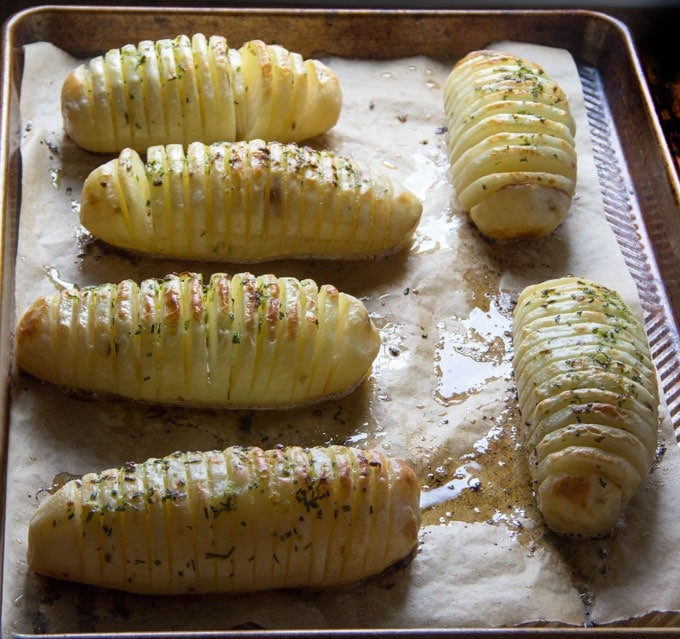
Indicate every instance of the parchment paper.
{"type": "Point", "coordinates": [441, 394]}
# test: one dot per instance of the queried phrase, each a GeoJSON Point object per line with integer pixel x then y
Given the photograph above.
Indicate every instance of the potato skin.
{"type": "Point", "coordinates": [588, 395]}
{"type": "Point", "coordinates": [511, 147]}
{"type": "Point", "coordinates": [182, 89]}
{"type": "Point", "coordinates": [237, 520]}
{"type": "Point", "coordinates": [247, 201]}
{"type": "Point", "coordinates": [239, 341]}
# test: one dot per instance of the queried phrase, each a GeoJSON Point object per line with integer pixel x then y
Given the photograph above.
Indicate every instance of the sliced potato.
{"type": "Point", "coordinates": [247, 202]}
{"type": "Point", "coordinates": [588, 394]}
{"type": "Point", "coordinates": [237, 520]}
{"type": "Point", "coordinates": [241, 341]}
{"type": "Point", "coordinates": [511, 145]}
{"type": "Point", "coordinates": [182, 89]}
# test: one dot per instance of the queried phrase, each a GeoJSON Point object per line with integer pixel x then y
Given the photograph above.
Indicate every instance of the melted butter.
{"type": "Point", "coordinates": [427, 172]}
{"type": "Point", "coordinates": [438, 227]}
{"type": "Point", "coordinates": [465, 477]}
{"type": "Point", "coordinates": [481, 285]}
{"type": "Point", "coordinates": [55, 178]}
{"type": "Point", "coordinates": [475, 351]}
{"type": "Point", "coordinates": [490, 484]}
{"type": "Point", "coordinates": [425, 175]}
{"type": "Point", "coordinates": [61, 284]}
{"type": "Point", "coordinates": [60, 480]}
{"type": "Point", "coordinates": [394, 355]}
{"type": "Point", "coordinates": [358, 439]}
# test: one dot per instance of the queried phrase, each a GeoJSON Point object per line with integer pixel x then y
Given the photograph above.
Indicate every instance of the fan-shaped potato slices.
{"type": "Point", "coordinates": [588, 395]}
{"type": "Point", "coordinates": [183, 89]}
{"type": "Point", "coordinates": [237, 520]}
{"type": "Point", "coordinates": [511, 145]}
{"type": "Point", "coordinates": [247, 202]}
{"type": "Point", "coordinates": [241, 341]}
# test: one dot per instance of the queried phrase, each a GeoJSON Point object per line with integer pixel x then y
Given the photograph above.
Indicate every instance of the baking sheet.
{"type": "Point", "coordinates": [441, 394]}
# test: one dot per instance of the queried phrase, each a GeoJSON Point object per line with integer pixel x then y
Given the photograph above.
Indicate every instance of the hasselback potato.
{"type": "Point", "coordinates": [182, 89]}
{"type": "Point", "coordinates": [511, 146]}
{"type": "Point", "coordinates": [588, 395]}
{"type": "Point", "coordinates": [240, 341]}
{"type": "Point", "coordinates": [247, 201]}
{"type": "Point", "coordinates": [236, 520]}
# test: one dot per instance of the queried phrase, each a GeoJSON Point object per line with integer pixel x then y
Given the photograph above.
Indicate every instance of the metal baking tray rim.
{"type": "Point", "coordinates": [10, 198]}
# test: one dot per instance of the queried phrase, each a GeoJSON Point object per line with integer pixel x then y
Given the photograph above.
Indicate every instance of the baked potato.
{"type": "Point", "coordinates": [589, 399]}
{"type": "Point", "coordinates": [511, 145]}
{"type": "Point", "coordinates": [238, 342]}
{"type": "Point", "coordinates": [247, 201]}
{"type": "Point", "coordinates": [237, 520]}
{"type": "Point", "coordinates": [183, 89]}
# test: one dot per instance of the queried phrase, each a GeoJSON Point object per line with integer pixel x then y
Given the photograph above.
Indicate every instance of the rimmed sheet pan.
{"type": "Point", "coordinates": [638, 183]}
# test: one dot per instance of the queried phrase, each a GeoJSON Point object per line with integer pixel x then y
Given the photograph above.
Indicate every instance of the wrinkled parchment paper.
{"type": "Point", "coordinates": [441, 392]}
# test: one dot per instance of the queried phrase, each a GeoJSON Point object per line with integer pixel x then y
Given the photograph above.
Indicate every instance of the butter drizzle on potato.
{"type": "Point", "coordinates": [239, 341]}
{"type": "Point", "coordinates": [247, 201]}
{"type": "Point", "coordinates": [237, 520]}
{"type": "Point", "coordinates": [511, 146]}
{"type": "Point", "coordinates": [588, 394]}
{"type": "Point", "coordinates": [182, 89]}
